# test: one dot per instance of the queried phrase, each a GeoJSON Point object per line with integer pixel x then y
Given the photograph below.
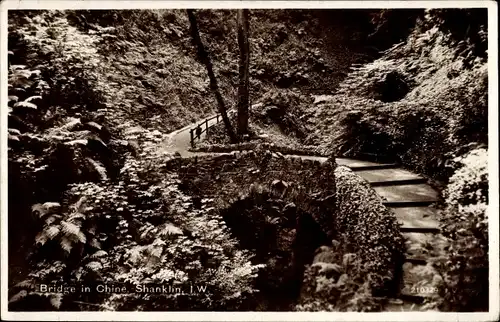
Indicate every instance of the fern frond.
{"type": "Point", "coordinates": [95, 243]}
{"type": "Point", "coordinates": [69, 229]}
{"type": "Point", "coordinates": [29, 99]}
{"type": "Point", "coordinates": [170, 229]}
{"type": "Point", "coordinates": [52, 218]}
{"type": "Point", "coordinates": [52, 231]}
{"type": "Point", "coordinates": [28, 283]}
{"type": "Point", "coordinates": [99, 253]}
{"type": "Point", "coordinates": [76, 216]}
{"type": "Point", "coordinates": [146, 231]}
{"type": "Point", "coordinates": [81, 237]}
{"type": "Point", "coordinates": [56, 300]}
{"type": "Point", "coordinates": [66, 244]}
{"type": "Point", "coordinates": [156, 251]}
{"type": "Point", "coordinates": [94, 266]}
{"type": "Point", "coordinates": [135, 254]}
{"type": "Point", "coordinates": [41, 238]}
{"type": "Point", "coordinates": [46, 208]}
{"type": "Point", "coordinates": [19, 296]}
{"type": "Point", "coordinates": [26, 104]}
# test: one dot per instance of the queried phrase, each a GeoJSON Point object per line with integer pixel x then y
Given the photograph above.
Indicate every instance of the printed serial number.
{"type": "Point", "coordinates": [424, 289]}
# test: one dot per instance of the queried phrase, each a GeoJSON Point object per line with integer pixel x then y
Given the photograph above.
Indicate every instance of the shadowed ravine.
{"type": "Point", "coordinates": [405, 193]}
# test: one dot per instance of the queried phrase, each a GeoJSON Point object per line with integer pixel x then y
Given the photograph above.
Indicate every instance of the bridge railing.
{"type": "Point", "coordinates": [202, 127]}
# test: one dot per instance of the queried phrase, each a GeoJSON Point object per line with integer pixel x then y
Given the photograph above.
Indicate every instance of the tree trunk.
{"type": "Point", "coordinates": [205, 59]}
{"type": "Point", "coordinates": [243, 90]}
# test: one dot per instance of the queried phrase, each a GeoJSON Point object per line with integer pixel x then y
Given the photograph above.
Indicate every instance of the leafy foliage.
{"type": "Point", "coordinates": [370, 230]}
{"type": "Point", "coordinates": [138, 231]}
{"type": "Point", "coordinates": [335, 283]}
{"type": "Point", "coordinates": [418, 104]}
{"type": "Point", "coordinates": [465, 223]}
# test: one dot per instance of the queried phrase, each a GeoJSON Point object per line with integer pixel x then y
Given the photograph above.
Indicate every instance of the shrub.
{"type": "Point", "coordinates": [364, 265]}
{"type": "Point", "coordinates": [465, 223]}
{"type": "Point", "coordinates": [370, 230]}
{"type": "Point", "coordinates": [335, 281]}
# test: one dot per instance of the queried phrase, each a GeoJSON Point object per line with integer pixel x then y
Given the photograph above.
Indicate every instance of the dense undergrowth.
{"type": "Point", "coordinates": [79, 167]}
{"type": "Point", "coordinates": [277, 118]}
{"type": "Point", "coordinates": [424, 104]}
{"type": "Point", "coordinates": [152, 73]}
{"type": "Point", "coordinates": [421, 103]}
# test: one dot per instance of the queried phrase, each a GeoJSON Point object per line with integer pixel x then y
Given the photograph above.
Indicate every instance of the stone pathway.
{"type": "Point", "coordinates": [407, 194]}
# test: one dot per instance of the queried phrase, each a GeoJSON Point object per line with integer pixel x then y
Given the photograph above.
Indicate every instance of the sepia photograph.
{"type": "Point", "coordinates": [306, 158]}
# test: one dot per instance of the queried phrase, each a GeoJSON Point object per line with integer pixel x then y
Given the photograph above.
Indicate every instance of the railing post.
{"type": "Point", "coordinates": [206, 126]}
{"type": "Point", "coordinates": [192, 138]}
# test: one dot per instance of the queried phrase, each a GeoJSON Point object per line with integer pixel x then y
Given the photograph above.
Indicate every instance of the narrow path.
{"type": "Point", "coordinates": [407, 194]}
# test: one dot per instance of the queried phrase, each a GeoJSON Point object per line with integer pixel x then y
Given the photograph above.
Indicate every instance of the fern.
{"type": "Point", "coordinates": [36, 97]}
{"type": "Point", "coordinates": [26, 104]}
{"type": "Point", "coordinates": [94, 266]}
{"type": "Point", "coordinates": [19, 296]}
{"type": "Point", "coordinates": [66, 244]}
{"type": "Point", "coordinates": [70, 229]}
{"type": "Point", "coordinates": [98, 254]}
{"type": "Point", "coordinates": [95, 243]}
{"type": "Point", "coordinates": [45, 209]}
{"type": "Point", "coordinates": [41, 238]}
{"type": "Point", "coordinates": [56, 300]}
{"type": "Point", "coordinates": [51, 231]}
{"type": "Point", "coordinates": [170, 229]}
{"type": "Point", "coordinates": [26, 284]}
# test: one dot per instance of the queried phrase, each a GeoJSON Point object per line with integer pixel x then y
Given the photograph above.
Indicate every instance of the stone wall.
{"type": "Point", "coordinates": [226, 178]}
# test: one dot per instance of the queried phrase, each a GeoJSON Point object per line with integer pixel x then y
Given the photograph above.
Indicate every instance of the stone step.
{"type": "Point", "coordinates": [359, 165]}
{"type": "Point", "coordinates": [417, 218]}
{"type": "Point", "coordinates": [374, 167]}
{"type": "Point", "coordinates": [416, 260]}
{"type": "Point", "coordinates": [398, 182]}
{"type": "Point", "coordinates": [408, 192]}
{"type": "Point", "coordinates": [425, 246]}
{"type": "Point", "coordinates": [407, 204]}
{"type": "Point", "coordinates": [385, 175]}
{"type": "Point", "coordinates": [428, 230]}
